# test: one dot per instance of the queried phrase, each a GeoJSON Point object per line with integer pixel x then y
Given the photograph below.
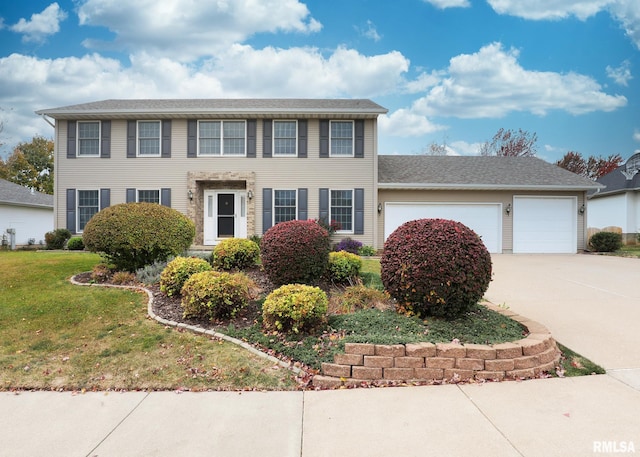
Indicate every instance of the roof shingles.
{"type": "Point", "coordinates": [14, 194]}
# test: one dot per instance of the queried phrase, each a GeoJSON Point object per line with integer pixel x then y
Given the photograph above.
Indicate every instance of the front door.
{"type": "Point", "coordinates": [225, 215]}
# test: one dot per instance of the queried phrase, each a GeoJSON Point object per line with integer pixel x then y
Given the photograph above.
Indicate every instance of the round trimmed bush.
{"type": "Point", "coordinates": [605, 241]}
{"type": "Point", "coordinates": [75, 243]}
{"type": "Point", "coordinates": [295, 252]}
{"type": "Point", "coordinates": [294, 308]}
{"type": "Point", "coordinates": [344, 266]}
{"type": "Point", "coordinates": [215, 294]}
{"type": "Point", "coordinates": [56, 238]}
{"type": "Point", "coordinates": [178, 271]}
{"type": "Point", "coordinates": [235, 253]}
{"type": "Point", "coordinates": [132, 235]}
{"type": "Point", "coordinates": [435, 267]}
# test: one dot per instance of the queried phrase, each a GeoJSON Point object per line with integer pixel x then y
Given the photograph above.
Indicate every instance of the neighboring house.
{"type": "Point", "coordinates": [28, 213]}
{"type": "Point", "coordinates": [237, 167]}
{"type": "Point", "coordinates": [618, 203]}
{"type": "Point", "coordinates": [516, 204]}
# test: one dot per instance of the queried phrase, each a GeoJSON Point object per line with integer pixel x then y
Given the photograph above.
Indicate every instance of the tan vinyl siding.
{"type": "Point", "coordinates": [480, 196]}
{"type": "Point", "coordinates": [119, 173]}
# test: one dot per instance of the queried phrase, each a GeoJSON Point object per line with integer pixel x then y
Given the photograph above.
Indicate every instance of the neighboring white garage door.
{"type": "Point", "coordinates": [483, 218]}
{"type": "Point", "coordinates": [544, 225]}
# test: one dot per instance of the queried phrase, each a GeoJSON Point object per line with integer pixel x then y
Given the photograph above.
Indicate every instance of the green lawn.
{"type": "Point", "coordinates": [632, 250]}
{"type": "Point", "coordinates": [54, 335]}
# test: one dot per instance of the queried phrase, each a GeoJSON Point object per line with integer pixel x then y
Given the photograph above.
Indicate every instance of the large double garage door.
{"type": "Point", "coordinates": [540, 224]}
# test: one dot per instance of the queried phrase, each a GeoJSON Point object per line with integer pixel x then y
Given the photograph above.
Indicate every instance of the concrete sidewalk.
{"type": "Point", "coordinates": [590, 303]}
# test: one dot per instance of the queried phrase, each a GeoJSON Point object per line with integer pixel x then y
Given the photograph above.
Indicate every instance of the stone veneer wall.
{"type": "Point", "coordinates": [424, 362]}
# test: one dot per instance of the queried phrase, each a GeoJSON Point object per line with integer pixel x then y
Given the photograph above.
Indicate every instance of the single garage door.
{"type": "Point", "coordinates": [483, 218]}
{"type": "Point", "coordinates": [544, 225]}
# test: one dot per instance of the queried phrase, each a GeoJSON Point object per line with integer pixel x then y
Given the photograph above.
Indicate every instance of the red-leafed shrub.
{"type": "Point", "coordinates": [435, 267]}
{"type": "Point", "coordinates": [295, 252]}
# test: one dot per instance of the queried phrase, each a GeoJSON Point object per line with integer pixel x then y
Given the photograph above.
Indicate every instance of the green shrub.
{"type": "Point", "coordinates": [123, 278]}
{"type": "Point", "coordinates": [256, 239]}
{"type": "Point", "coordinates": [75, 243]}
{"type": "Point", "coordinates": [343, 266]}
{"type": "Point", "coordinates": [132, 235]}
{"type": "Point", "coordinates": [367, 251]}
{"type": "Point", "coordinates": [235, 253]}
{"type": "Point", "coordinates": [294, 308]}
{"type": "Point", "coordinates": [355, 298]}
{"type": "Point", "coordinates": [295, 252]}
{"type": "Point", "coordinates": [215, 294]}
{"type": "Point", "coordinates": [178, 271]}
{"type": "Point", "coordinates": [605, 241]}
{"type": "Point", "coordinates": [435, 267]}
{"type": "Point", "coordinates": [56, 238]}
{"type": "Point", "coordinates": [101, 272]}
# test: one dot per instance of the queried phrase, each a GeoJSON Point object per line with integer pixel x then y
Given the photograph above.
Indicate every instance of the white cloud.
{"type": "Point", "coordinates": [442, 4]}
{"type": "Point", "coordinates": [370, 32]}
{"type": "Point", "coordinates": [636, 135]}
{"type": "Point", "coordinates": [622, 74]}
{"type": "Point", "coordinates": [423, 82]}
{"type": "Point", "coordinates": [41, 24]}
{"type": "Point", "coordinates": [186, 30]}
{"type": "Point", "coordinates": [405, 123]}
{"type": "Point", "coordinates": [627, 12]}
{"type": "Point", "coordinates": [464, 148]}
{"type": "Point", "coordinates": [491, 84]}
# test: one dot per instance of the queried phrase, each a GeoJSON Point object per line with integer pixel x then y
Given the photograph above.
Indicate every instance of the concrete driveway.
{"type": "Point", "coordinates": [591, 303]}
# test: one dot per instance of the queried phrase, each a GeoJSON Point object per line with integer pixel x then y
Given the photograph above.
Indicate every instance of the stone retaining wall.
{"type": "Point", "coordinates": [424, 362]}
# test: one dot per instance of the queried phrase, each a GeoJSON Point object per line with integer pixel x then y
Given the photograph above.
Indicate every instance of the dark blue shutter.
{"type": "Point", "coordinates": [324, 138]}
{"type": "Point", "coordinates": [358, 204]}
{"type": "Point", "coordinates": [192, 138]}
{"type": "Point", "coordinates": [251, 138]}
{"type": "Point", "coordinates": [71, 210]}
{"type": "Point", "coordinates": [303, 213]}
{"type": "Point", "coordinates": [131, 139]}
{"type": "Point", "coordinates": [105, 146]}
{"type": "Point", "coordinates": [71, 139]}
{"type": "Point", "coordinates": [165, 197]}
{"type": "Point", "coordinates": [359, 139]}
{"type": "Point", "coordinates": [166, 139]}
{"type": "Point", "coordinates": [323, 205]}
{"type": "Point", "coordinates": [302, 138]}
{"type": "Point", "coordinates": [267, 209]}
{"type": "Point", "coordinates": [267, 144]}
{"type": "Point", "coordinates": [131, 196]}
{"type": "Point", "coordinates": [105, 198]}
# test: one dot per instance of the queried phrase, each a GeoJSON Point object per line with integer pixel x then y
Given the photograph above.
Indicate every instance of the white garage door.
{"type": "Point", "coordinates": [544, 224]}
{"type": "Point", "coordinates": [483, 218]}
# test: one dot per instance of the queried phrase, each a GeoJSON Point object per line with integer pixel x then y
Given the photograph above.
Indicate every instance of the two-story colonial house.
{"type": "Point", "coordinates": [235, 167]}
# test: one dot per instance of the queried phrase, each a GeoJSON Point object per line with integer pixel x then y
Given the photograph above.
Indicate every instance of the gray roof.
{"type": "Point", "coordinates": [177, 108]}
{"type": "Point", "coordinates": [17, 195]}
{"type": "Point", "coordinates": [625, 178]}
{"type": "Point", "coordinates": [476, 172]}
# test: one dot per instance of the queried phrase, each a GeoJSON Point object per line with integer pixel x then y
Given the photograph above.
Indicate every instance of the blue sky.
{"type": "Point", "coordinates": [448, 71]}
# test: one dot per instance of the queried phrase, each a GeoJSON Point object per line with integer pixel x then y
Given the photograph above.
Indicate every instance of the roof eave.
{"type": "Point", "coordinates": [461, 186]}
{"type": "Point", "coordinates": [23, 204]}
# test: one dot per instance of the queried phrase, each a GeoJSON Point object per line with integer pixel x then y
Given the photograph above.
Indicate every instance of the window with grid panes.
{"type": "Point", "coordinates": [217, 138]}
{"type": "Point", "coordinates": [149, 138]}
{"type": "Point", "coordinates": [284, 205]}
{"type": "Point", "coordinates": [88, 138]}
{"type": "Point", "coordinates": [149, 196]}
{"type": "Point", "coordinates": [88, 205]}
{"type": "Point", "coordinates": [341, 138]}
{"type": "Point", "coordinates": [284, 138]}
{"type": "Point", "coordinates": [342, 209]}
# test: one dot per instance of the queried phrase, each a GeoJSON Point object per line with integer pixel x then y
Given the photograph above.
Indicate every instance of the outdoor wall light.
{"type": "Point", "coordinates": [582, 209]}
{"type": "Point", "coordinates": [508, 209]}
{"type": "Point", "coordinates": [250, 195]}
{"type": "Point", "coordinates": [190, 194]}
{"type": "Point", "coordinates": [379, 208]}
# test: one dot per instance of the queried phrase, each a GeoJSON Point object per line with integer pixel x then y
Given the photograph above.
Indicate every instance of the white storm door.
{"type": "Point", "coordinates": [225, 215]}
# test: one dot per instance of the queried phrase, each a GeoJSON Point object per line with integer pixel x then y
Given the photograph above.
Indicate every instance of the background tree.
{"type": "Point", "coordinates": [508, 143]}
{"type": "Point", "coordinates": [30, 165]}
{"type": "Point", "coordinates": [593, 167]}
{"type": "Point", "coordinates": [435, 149]}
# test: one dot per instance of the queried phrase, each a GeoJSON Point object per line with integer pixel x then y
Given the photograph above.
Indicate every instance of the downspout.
{"type": "Point", "coordinates": [44, 116]}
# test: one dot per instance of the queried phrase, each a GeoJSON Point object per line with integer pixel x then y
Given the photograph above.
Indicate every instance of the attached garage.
{"type": "Point", "coordinates": [544, 224]}
{"type": "Point", "coordinates": [516, 204]}
{"type": "Point", "coordinates": [483, 218]}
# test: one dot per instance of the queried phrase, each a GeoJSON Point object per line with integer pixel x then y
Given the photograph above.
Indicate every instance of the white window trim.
{"type": "Point", "coordinates": [273, 139]}
{"type": "Point", "coordinates": [155, 189]}
{"type": "Point", "coordinates": [273, 218]}
{"type": "Point", "coordinates": [353, 211]}
{"type": "Point", "coordinates": [353, 141]}
{"type": "Point", "coordinates": [78, 206]}
{"type": "Point", "coordinates": [159, 154]}
{"type": "Point", "coordinates": [222, 154]}
{"type": "Point", "coordinates": [78, 154]}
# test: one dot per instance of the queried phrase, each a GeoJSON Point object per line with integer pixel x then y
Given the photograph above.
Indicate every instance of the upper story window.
{"type": "Point", "coordinates": [284, 205]}
{"type": "Point", "coordinates": [221, 138]}
{"type": "Point", "coordinates": [341, 209]}
{"type": "Point", "coordinates": [285, 135]}
{"type": "Point", "coordinates": [341, 138]}
{"type": "Point", "coordinates": [149, 138]}
{"type": "Point", "coordinates": [89, 139]}
{"type": "Point", "coordinates": [149, 196]}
